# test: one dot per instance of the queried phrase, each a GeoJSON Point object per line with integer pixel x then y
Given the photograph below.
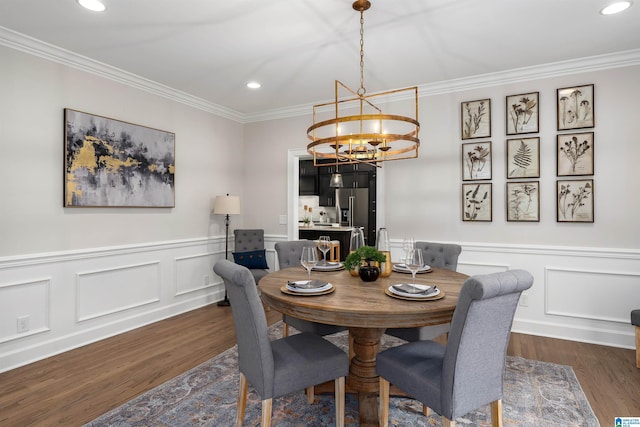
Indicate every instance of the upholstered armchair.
{"type": "Point", "coordinates": [249, 252]}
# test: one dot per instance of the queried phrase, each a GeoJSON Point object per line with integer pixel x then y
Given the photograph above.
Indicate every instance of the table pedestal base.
{"type": "Point", "coordinates": [362, 372]}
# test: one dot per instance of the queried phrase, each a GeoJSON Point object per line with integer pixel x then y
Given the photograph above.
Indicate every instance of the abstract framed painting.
{"type": "Point", "coordinates": [476, 119]}
{"type": "Point", "coordinates": [111, 163]}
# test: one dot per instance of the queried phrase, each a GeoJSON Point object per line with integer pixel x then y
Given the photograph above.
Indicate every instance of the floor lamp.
{"type": "Point", "coordinates": [226, 205]}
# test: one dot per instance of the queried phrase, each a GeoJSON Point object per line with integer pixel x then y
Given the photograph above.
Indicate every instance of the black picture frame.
{"type": "Point", "coordinates": [112, 163]}
{"type": "Point", "coordinates": [522, 113]}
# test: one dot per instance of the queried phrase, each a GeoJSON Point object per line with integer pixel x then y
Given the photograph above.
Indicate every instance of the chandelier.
{"type": "Point", "coordinates": [354, 129]}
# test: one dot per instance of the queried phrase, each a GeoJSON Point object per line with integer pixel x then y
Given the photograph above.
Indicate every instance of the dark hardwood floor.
{"type": "Point", "coordinates": [80, 385]}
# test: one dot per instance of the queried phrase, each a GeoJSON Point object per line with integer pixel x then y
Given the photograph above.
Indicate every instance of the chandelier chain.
{"type": "Point", "coordinates": [362, 91]}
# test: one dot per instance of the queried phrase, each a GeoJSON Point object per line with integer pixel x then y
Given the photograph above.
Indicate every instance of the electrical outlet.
{"type": "Point", "coordinates": [524, 300]}
{"type": "Point", "coordinates": [283, 220]}
{"type": "Point", "coordinates": [23, 324]}
{"type": "Point", "coordinates": [205, 280]}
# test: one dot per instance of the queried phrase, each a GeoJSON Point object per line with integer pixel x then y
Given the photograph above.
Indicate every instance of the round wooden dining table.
{"type": "Point", "coordinates": [367, 311]}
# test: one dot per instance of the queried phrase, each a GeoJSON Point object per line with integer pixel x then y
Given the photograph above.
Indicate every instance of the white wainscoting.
{"type": "Point", "coordinates": [27, 298]}
{"type": "Point", "coordinates": [75, 298]}
{"type": "Point", "coordinates": [108, 291]}
{"type": "Point", "coordinates": [579, 294]}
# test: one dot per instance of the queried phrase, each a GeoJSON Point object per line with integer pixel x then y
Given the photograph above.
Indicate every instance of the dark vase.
{"type": "Point", "coordinates": [369, 273]}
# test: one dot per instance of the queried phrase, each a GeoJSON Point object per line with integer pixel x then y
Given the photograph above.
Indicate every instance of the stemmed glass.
{"type": "Point", "coordinates": [407, 244]}
{"type": "Point", "coordinates": [324, 244]}
{"type": "Point", "coordinates": [309, 259]}
{"type": "Point", "coordinates": [414, 263]}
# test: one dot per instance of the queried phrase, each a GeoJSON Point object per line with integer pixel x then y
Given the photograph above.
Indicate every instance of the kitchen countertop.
{"type": "Point", "coordinates": [322, 227]}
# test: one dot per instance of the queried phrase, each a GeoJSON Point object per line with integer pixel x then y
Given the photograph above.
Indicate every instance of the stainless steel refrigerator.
{"type": "Point", "coordinates": [354, 204]}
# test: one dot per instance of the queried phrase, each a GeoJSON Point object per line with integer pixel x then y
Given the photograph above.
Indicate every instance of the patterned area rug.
{"type": "Point", "coordinates": [536, 394]}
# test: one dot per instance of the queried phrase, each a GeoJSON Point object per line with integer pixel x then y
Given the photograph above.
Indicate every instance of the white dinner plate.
{"type": "Point", "coordinates": [330, 266]}
{"type": "Point", "coordinates": [402, 268]}
{"type": "Point", "coordinates": [298, 286]}
{"type": "Point", "coordinates": [410, 295]}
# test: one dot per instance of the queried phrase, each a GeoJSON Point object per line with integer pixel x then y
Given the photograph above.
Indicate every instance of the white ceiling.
{"type": "Point", "coordinates": [297, 48]}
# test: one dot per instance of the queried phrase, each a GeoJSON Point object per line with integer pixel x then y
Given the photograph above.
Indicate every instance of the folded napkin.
{"type": "Point", "coordinates": [307, 284]}
{"type": "Point", "coordinates": [414, 290]}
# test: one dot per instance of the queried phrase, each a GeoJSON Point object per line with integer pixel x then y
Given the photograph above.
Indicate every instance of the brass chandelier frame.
{"type": "Point", "coordinates": [372, 143]}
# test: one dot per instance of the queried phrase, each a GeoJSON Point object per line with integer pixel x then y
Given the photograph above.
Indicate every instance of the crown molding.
{"type": "Point", "coordinates": [32, 46]}
{"type": "Point", "coordinates": [23, 43]}
{"type": "Point", "coordinates": [574, 66]}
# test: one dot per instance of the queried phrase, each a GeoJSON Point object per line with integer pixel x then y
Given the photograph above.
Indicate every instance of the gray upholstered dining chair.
{"type": "Point", "coordinates": [468, 372]}
{"type": "Point", "coordinates": [289, 254]}
{"type": "Point", "coordinates": [248, 251]}
{"type": "Point", "coordinates": [275, 368]}
{"type": "Point", "coordinates": [439, 255]}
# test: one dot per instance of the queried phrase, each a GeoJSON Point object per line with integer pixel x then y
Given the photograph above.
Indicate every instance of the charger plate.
{"type": "Point", "coordinates": [433, 298]}
{"type": "Point", "coordinates": [284, 290]}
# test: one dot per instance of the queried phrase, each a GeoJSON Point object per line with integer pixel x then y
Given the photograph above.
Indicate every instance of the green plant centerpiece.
{"type": "Point", "coordinates": [366, 259]}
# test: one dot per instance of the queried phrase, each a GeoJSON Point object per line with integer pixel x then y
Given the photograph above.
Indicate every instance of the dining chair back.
{"type": "Point", "coordinates": [250, 240]}
{"type": "Point", "coordinates": [439, 255]}
{"type": "Point", "coordinates": [289, 254]}
{"type": "Point", "coordinates": [468, 372]}
{"type": "Point", "coordinates": [275, 368]}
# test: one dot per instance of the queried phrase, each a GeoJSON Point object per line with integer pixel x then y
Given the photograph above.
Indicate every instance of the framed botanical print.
{"type": "Point", "coordinates": [476, 119]}
{"type": "Point", "coordinates": [523, 158]}
{"type": "Point", "coordinates": [476, 202]}
{"type": "Point", "coordinates": [575, 154]}
{"type": "Point", "coordinates": [575, 200]}
{"type": "Point", "coordinates": [523, 201]}
{"type": "Point", "coordinates": [575, 107]}
{"type": "Point", "coordinates": [476, 161]}
{"type": "Point", "coordinates": [522, 113]}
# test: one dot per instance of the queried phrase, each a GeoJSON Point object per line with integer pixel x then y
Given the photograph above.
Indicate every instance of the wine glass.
{"type": "Point", "coordinates": [414, 263]}
{"type": "Point", "coordinates": [324, 244]}
{"type": "Point", "coordinates": [309, 259]}
{"type": "Point", "coordinates": [407, 244]}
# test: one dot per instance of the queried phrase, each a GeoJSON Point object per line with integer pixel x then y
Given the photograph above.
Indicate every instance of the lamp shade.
{"type": "Point", "coordinates": [336, 180]}
{"type": "Point", "coordinates": [227, 205]}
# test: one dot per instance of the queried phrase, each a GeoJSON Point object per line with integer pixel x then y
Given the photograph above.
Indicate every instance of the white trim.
{"type": "Point", "coordinates": [46, 281]}
{"type": "Point", "coordinates": [60, 344]}
{"type": "Point", "coordinates": [89, 253]}
{"type": "Point", "coordinates": [572, 251]}
{"type": "Point", "coordinates": [555, 312]}
{"type": "Point", "coordinates": [30, 45]}
{"type": "Point", "coordinates": [141, 303]}
{"type": "Point", "coordinates": [577, 333]}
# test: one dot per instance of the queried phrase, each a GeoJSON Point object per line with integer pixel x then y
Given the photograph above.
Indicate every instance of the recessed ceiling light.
{"type": "Point", "coordinates": [94, 5]}
{"type": "Point", "coordinates": [254, 85]}
{"type": "Point", "coordinates": [616, 7]}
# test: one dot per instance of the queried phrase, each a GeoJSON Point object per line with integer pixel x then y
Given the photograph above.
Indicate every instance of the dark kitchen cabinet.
{"type": "Point", "coordinates": [308, 179]}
